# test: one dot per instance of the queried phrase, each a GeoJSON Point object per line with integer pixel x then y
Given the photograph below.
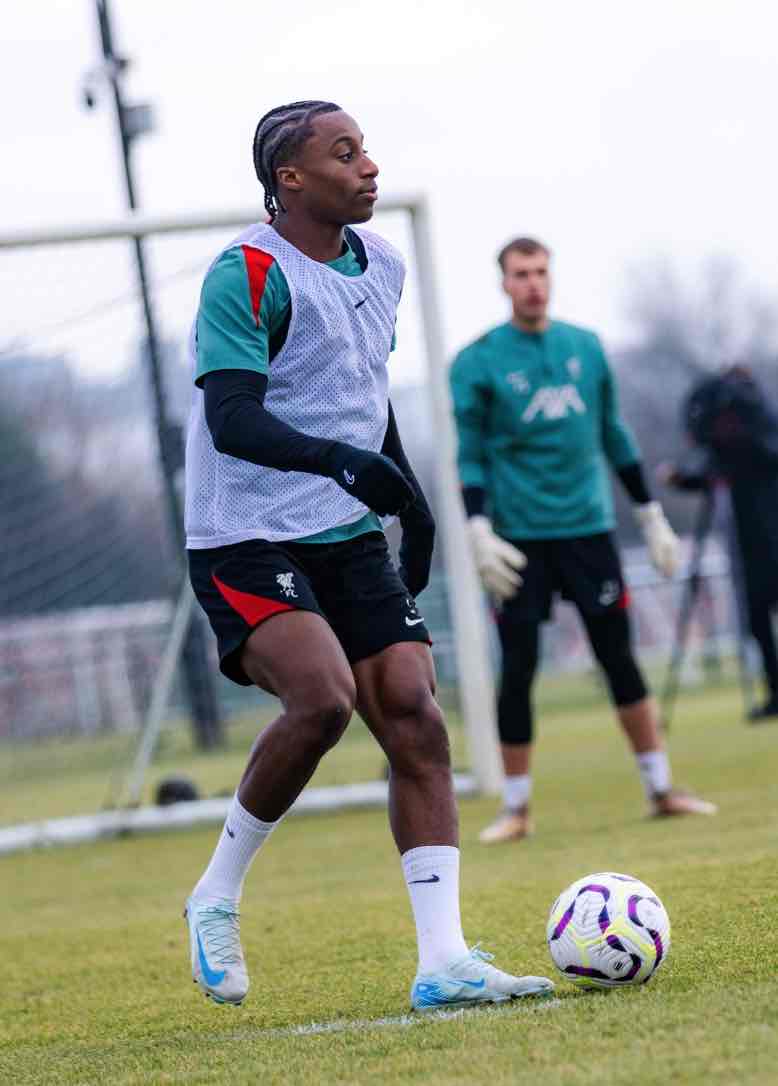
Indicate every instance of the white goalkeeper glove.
{"type": "Point", "coordinates": [662, 542]}
{"type": "Point", "coordinates": [497, 561]}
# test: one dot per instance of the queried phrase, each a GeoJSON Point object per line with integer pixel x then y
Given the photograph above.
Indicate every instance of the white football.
{"type": "Point", "coordinates": [608, 930]}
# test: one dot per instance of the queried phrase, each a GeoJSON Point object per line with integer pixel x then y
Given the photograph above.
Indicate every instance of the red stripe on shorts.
{"type": "Point", "coordinates": [257, 266]}
{"type": "Point", "coordinates": [624, 600]}
{"type": "Point", "coordinates": [252, 609]}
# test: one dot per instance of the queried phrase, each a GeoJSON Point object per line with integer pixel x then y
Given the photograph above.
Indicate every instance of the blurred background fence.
{"type": "Point", "coordinates": [90, 670]}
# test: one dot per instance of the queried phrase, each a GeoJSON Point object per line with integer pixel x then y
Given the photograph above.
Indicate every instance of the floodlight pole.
{"type": "Point", "coordinates": [133, 121]}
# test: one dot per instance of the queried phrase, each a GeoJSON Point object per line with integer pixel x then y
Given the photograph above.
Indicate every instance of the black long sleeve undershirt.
{"type": "Point", "coordinates": [633, 480]}
{"type": "Point", "coordinates": [393, 448]}
{"type": "Point", "coordinates": [241, 426]}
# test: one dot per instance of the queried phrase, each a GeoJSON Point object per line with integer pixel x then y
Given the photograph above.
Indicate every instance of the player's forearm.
{"type": "Point", "coordinates": [393, 448]}
{"type": "Point", "coordinates": [241, 426]}
{"type": "Point", "coordinates": [474, 500]}
{"type": "Point", "coordinates": [633, 480]}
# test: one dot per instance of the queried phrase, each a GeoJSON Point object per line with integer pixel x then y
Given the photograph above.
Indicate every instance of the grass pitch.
{"type": "Point", "coordinates": [96, 985]}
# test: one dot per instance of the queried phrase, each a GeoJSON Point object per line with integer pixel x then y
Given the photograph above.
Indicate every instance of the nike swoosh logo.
{"type": "Point", "coordinates": [230, 833]}
{"type": "Point", "coordinates": [473, 983]}
{"type": "Point", "coordinates": [413, 621]}
{"type": "Point", "coordinates": [435, 878]}
{"type": "Point", "coordinates": [360, 303]}
{"type": "Point", "coordinates": [212, 977]}
{"type": "Point", "coordinates": [348, 477]}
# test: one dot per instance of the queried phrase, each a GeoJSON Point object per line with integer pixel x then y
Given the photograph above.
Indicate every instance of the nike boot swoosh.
{"type": "Point", "coordinates": [413, 621]}
{"type": "Point", "coordinates": [212, 977]}
{"type": "Point", "coordinates": [435, 878]}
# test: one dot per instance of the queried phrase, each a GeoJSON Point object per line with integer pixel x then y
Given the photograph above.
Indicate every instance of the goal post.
{"type": "Point", "coordinates": [476, 681]}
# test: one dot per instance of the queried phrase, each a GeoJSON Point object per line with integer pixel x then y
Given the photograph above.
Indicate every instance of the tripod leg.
{"type": "Point", "coordinates": [691, 592]}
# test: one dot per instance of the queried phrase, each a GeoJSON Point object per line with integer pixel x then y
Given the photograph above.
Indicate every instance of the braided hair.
{"type": "Point", "coordinates": [279, 135]}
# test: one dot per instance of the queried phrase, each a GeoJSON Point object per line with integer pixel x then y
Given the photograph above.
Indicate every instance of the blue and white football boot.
{"type": "Point", "coordinates": [470, 981]}
{"type": "Point", "coordinates": [217, 957]}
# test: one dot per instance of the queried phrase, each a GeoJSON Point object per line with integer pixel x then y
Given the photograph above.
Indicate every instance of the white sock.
{"type": "Point", "coordinates": [516, 791]}
{"type": "Point", "coordinates": [654, 766]}
{"type": "Point", "coordinates": [432, 876]}
{"type": "Point", "coordinates": [242, 837]}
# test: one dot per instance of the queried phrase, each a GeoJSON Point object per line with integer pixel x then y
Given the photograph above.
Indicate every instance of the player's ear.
{"type": "Point", "coordinates": [290, 177]}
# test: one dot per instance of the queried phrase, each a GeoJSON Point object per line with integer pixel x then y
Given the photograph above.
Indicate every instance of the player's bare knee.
{"type": "Point", "coordinates": [417, 739]}
{"type": "Point", "coordinates": [322, 713]}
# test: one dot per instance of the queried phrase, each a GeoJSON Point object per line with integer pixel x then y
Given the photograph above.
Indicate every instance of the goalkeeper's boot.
{"type": "Point", "coordinates": [470, 981]}
{"type": "Point", "coordinates": [510, 825]}
{"type": "Point", "coordinates": [214, 940]}
{"type": "Point", "coordinates": [764, 712]}
{"type": "Point", "coordinates": [674, 802]}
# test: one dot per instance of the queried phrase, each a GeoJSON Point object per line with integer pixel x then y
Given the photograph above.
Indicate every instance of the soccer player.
{"type": "Point", "coordinates": [537, 418]}
{"type": "Point", "coordinates": [293, 456]}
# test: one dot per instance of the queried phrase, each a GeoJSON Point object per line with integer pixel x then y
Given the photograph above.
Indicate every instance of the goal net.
{"type": "Point", "coordinates": [95, 706]}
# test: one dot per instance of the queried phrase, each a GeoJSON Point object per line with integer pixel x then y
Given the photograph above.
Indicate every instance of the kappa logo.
{"type": "Point", "coordinates": [286, 582]}
{"type": "Point", "coordinates": [518, 381]}
{"type": "Point", "coordinates": [574, 367]}
{"type": "Point", "coordinates": [554, 403]}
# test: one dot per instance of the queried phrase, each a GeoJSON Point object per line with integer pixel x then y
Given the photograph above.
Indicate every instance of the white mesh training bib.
{"type": "Point", "coordinates": [329, 380]}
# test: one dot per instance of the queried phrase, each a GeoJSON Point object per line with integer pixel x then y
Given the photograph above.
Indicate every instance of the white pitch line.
{"type": "Point", "coordinates": [403, 1021]}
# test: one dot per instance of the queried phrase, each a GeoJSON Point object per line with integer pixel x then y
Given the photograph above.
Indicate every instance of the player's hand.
{"type": "Point", "coordinates": [497, 561]}
{"type": "Point", "coordinates": [663, 544]}
{"type": "Point", "coordinates": [416, 549]}
{"type": "Point", "coordinates": [372, 478]}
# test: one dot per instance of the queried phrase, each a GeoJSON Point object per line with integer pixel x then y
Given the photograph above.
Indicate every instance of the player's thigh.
{"type": "Point", "coordinates": [267, 620]}
{"type": "Point", "coordinates": [296, 656]}
{"type": "Point", "coordinates": [396, 699]}
{"type": "Point", "coordinates": [531, 603]}
{"type": "Point", "coordinates": [365, 601]}
{"type": "Point", "coordinates": [590, 573]}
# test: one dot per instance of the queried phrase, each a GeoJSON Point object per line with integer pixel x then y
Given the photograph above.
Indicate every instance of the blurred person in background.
{"type": "Point", "coordinates": [538, 422]}
{"type": "Point", "coordinates": [734, 430]}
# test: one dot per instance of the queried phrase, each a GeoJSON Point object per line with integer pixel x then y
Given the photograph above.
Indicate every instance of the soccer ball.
{"type": "Point", "coordinates": [608, 930]}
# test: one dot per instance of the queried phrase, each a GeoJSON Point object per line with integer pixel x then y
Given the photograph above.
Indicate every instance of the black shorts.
{"type": "Point", "coordinates": [354, 585]}
{"type": "Point", "coordinates": [585, 570]}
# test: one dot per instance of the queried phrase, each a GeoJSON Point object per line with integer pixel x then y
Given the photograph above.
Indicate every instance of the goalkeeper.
{"type": "Point", "coordinates": [537, 416]}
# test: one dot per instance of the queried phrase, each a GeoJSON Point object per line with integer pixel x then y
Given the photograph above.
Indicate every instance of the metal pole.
{"type": "Point", "coordinates": [465, 596]}
{"type": "Point", "coordinates": [691, 591]}
{"type": "Point", "coordinates": [206, 718]}
{"type": "Point", "coordinates": [160, 696]}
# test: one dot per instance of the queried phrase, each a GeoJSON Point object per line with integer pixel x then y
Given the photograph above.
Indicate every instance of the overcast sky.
{"type": "Point", "coordinates": [614, 130]}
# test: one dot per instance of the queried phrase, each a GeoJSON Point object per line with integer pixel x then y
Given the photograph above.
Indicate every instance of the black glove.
{"type": "Point", "coordinates": [416, 548]}
{"type": "Point", "coordinates": [371, 477]}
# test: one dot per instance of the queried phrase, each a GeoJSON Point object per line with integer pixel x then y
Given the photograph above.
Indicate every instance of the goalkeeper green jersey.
{"type": "Point", "coordinates": [538, 422]}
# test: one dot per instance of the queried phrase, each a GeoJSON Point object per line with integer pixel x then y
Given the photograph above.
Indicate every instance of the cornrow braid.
{"type": "Point", "coordinates": [278, 136]}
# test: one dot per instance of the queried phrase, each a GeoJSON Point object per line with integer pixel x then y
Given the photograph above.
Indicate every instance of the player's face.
{"type": "Point", "coordinates": [333, 178]}
{"type": "Point", "coordinates": [527, 283]}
